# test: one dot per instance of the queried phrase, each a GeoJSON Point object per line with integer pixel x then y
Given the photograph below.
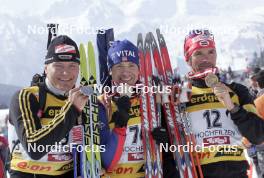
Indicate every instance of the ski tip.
{"type": "Point", "coordinates": [147, 41]}
{"type": "Point", "coordinates": [158, 31]}
{"type": "Point", "coordinates": [81, 45]}
{"type": "Point", "coordinates": [140, 38]}
{"type": "Point", "coordinates": [151, 34]}
{"type": "Point", "coordinates": [140, 41]}
{"type": "Point", "coordinates": [90, 43]}
{"type": "Point", "coordinates": [154, 43]}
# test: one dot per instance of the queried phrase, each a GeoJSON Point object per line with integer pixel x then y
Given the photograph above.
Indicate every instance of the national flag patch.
{"type": "Point", "coordinates": [64, 48]}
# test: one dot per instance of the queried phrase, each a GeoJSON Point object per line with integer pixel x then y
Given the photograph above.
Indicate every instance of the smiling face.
{"type": "Point", "coordinates": [202, 59]}
{"type": "Point", "coordinates": [62, 75]}
{"type": "Point", "coordinates": [125, 72]}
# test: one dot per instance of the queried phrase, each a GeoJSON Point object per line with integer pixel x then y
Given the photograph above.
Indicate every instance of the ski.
{"type": "Point", "coordinates": [179, 111]}
{"type": "Point", "coordinates": [104, 39]}
{"type": "Point", "coordinates": [52, 32]}
{"type": "Point", "coordinates": [144, 110]}
{"type": "Point", "coordinates": [92, 159]}
{"type": "Point", "coordinates": [84, 70]}
{"type": "Point", "coordinates": [94, 119]}
{"type": "Point", "coordinates": [154, 117]}
{"type": "Point", "coordinates": [172, 125]}
{"type": "Point", "coordinates": [150, 113]}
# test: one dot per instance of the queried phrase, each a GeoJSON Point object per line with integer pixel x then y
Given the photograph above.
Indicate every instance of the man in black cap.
{"type": "Point", "coordinates": [253, 89]}
{"type": "Point", "coordinates": [38, 134]}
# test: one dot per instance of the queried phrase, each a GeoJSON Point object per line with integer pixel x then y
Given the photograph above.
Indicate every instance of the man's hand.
{"type": "Point", "coordinates": [221, 91]}
{"type": "Point", "coordinates": [77, 98]}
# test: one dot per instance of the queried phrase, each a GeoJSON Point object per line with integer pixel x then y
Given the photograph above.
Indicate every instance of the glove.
{"type": "Point", "coordinates": [160, 135]}
{"type": "Point", "coordinates": [123, 103]}
{"type": "Point", "coordinates": [120, 118]}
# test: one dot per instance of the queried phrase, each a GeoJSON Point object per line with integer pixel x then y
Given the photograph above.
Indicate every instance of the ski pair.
{"type": "Point", "coordinates": [150, 113]}
{"type": "Point", "coordinates": [181, 127]}
{"type": "Point", "coordinates": [87, 162]}
{"type": "Point", "coordinates": [176, 119]}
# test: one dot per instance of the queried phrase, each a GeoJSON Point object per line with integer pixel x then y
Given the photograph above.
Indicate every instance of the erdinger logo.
{"type": "Point", "coordinates": [51, 111]}
{"type": "Point", "coordinates": [64, 48]}
{"type": "Point", "coordinates": [205, 98]}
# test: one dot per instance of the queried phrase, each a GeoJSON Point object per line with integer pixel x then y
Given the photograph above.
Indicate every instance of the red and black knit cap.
{"type": "Point", "coordinates": [62, 49]}
{"type": "Point", "coordinates": [197, 39]}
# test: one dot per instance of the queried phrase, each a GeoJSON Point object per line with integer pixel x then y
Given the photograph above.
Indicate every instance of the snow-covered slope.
{"type": "Point", "coordinates": [238, 27]}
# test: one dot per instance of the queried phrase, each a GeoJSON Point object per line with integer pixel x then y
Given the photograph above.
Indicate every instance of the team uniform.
{"type": "Point", "coordinates": [124, 155]}
{"type": "Point", "coordinates": [213, 125]}
{"type": "Point", "coordinates": [121, 122]}
{"type": "Point", "coordinates": [58, 118]}
{"type": "Point", "coordinates": [41, 117]}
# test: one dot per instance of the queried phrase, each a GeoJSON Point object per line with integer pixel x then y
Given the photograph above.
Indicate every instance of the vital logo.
{"type": "Point", "coordinates": [123, 53]}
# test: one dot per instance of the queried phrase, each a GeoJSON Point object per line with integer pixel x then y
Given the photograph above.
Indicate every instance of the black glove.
{"type": "Point", "coordinates": [160, 135]}
{"type": "Point", "coordinates": [122, 103]}
{"type": "Point", "coordinates": [121, 116]}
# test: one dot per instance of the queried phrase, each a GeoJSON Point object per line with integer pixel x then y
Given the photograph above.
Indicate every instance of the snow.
{"type": "Point", "coordinates": [238, 27]}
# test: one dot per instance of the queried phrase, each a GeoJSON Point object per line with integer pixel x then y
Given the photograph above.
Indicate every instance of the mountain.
{"type": "Point", "coordinates": [6, 93]}
{"type": "Point", "coordinates": [238, 27]}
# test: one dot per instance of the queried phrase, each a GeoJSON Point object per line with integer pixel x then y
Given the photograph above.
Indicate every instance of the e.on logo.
{"type": "Point", "coordinates": [25, 165]}
{"type": "Point", "coordinates": [124, 170]}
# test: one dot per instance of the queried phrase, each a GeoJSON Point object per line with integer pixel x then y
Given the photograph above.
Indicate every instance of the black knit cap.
{"type": "Point", "coordinates": [62, 49]}
{"type": "Point", "coordinates": [260, 76]}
